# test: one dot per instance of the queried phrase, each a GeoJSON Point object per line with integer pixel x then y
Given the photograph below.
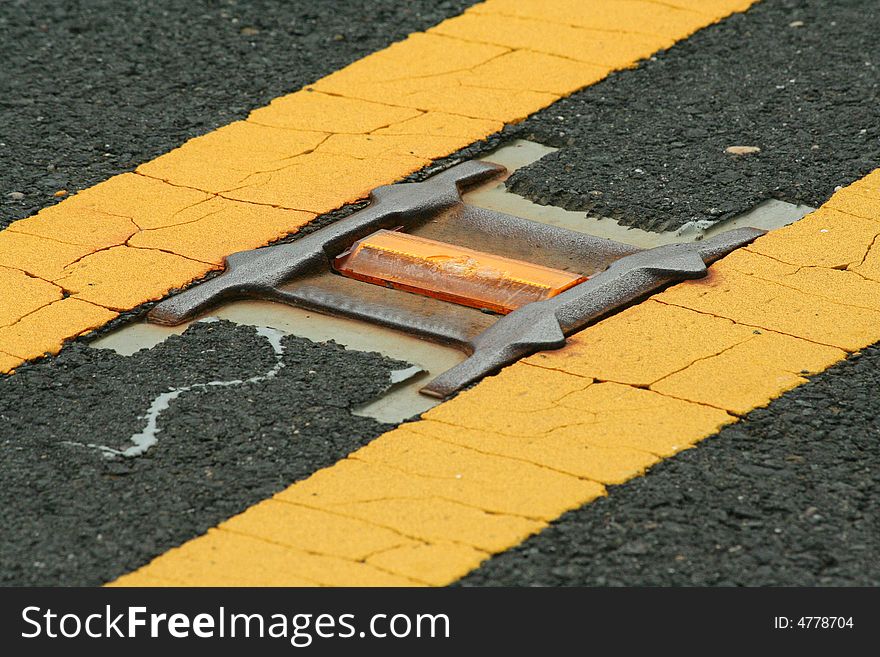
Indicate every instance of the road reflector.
{"type": "Point", "coordinates": [451, 273]}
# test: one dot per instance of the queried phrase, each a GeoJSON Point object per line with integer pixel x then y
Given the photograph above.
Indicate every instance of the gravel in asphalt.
{"type": "Point", "coordinates": [92, 89]}
{"type": "Point", "coordinates": [798, 79]}
{"type": "Point", "coordinates": [74, 516]}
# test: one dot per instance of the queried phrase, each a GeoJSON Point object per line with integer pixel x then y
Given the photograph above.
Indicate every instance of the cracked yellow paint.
{"type": "Point", "coordinates": [648, 344]}
{"type": "Point", "coordinates": [617, 50]}
{"type": "Point", "coordinates": [432, 520]}
{"type": "Point", "coordinates": [434, 564]}
{"type": "Point", "coordinates": [39, 332]}
{"type": "Point", "coordinates": [599, 415]}
{"type": "Point", "coordinates": [226, 158]}
{"type": "Point", "coordinates": [561, 450]}
{"type": "Point", "coordinates": [375, 146]}
{"type": "Point", "coordinates": [637, 16]}
{"type": "Point", "coordinates": [77, 226]}
{"type": "Point", "coordinates": [8, 363]}
{"type": "Point", "coordinates": [761, 303]}
{"type": "Point", "coordinates": [226, 558]}
{"type": "Point", "coordinates": [448, 94]}
{"type": "Point", "coordinates": [21, 295]}
{"type": "Point", "coordinates": [38, 256]}
{"type": "Point", "coordinates": [826, 238]}
{"type": "Point", "coordinates": [859, 199]}
{"type": "Point", "coordinates": [438, 124]}
{"type": "Point", "coordinates": [292, 525]}
{"type": "Point", "coordinates": [522, 70]}
{"type": "Point", "coordinates": [310, 111]}
{"type": "Point", "coordinates": [836, 285]}
{"type": "Point", "coordinates": [640, 419]}
{"type": "Point", "coordinates": [869, 268]}
{"type": "Point", "coordinates": [467, 476]}
{"type": "Point", "coordinates": [750, 374]}
{"type": "Point", "coordinates": [421, 56]}
{"type": "Point", "coordinates": [147, 203]}
{"type": "Point", "coordinates": [314, 150]}
{"type": "Point", "coordinates": [212, 230]}
{"type": "Point", "coordinates": [312, 183]}
{"type": "Point", "coordinates": [123, 276]}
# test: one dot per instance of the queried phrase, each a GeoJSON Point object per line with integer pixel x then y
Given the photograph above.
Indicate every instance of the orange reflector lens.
{"type": "Point", "coordinates": [451, 273]}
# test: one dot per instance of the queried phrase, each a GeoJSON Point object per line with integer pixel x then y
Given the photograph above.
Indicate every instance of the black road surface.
{"type": "Point", "coordinates": [799, 79]}
{"type": "Point", "coordinates": [72, 515]}
{"type": "Point", "coordinates": [91, 89]}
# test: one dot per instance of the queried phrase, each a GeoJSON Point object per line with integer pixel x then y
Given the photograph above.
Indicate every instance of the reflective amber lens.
{"type": "Point", "coordinates": [451, 273]}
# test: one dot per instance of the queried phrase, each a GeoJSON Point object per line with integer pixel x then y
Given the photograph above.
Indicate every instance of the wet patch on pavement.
{"type": "Point", "coordinates": [76, 513]}
{"type": "Point", "coordinates": [401, 402]}
{"type": "Point", "coordinates": [786, 497]}
{"type": "Point", "coordinates": [797, 79]}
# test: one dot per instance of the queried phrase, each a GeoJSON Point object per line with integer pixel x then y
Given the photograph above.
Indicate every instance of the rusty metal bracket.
{"type": "Point", "coordinates": [299, 273]}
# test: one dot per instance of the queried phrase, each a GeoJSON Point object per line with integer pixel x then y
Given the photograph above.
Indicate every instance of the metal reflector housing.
{"type": "Point", "coordinates": [451, 273]}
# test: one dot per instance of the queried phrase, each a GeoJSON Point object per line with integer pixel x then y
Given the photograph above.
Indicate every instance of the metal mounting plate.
{"type": "Point", "coordinates": [299, 273]}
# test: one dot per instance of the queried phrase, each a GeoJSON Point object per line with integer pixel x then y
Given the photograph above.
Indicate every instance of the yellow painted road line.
{"type": "Point", "coordinates": [74, 266]}
{"type": "Point", "coordinates": [427, 502]}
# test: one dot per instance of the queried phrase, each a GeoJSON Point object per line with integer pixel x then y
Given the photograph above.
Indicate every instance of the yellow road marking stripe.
{"type": "Point", "coordinates": [139, 235]}
{"type": "Point", "coordinates": [480, 473]}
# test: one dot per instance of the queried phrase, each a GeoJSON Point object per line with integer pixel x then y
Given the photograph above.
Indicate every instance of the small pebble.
{"type": "Point", "coordinates": [742, 150]}
{"type": "Point", "coordinates": [61, 193]}
{"type": "Point", "coordinates": [15, 196]}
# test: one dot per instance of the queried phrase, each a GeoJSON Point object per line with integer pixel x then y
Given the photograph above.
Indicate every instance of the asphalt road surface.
{"type": "Point", "coordinates": [92, 89]}
{"type": "Point", "coordinates": [72, 516]}
{"type": "Point", "coordinates": [798, 79]}
{"type": "Point", "coordinates": [785, 497]}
